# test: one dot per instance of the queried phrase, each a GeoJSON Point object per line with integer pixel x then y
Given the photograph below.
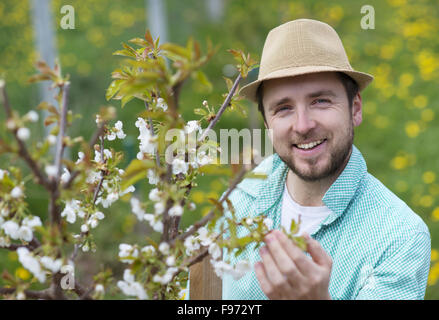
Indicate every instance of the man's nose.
{"type": "Point", "coordinates": [304, 121]}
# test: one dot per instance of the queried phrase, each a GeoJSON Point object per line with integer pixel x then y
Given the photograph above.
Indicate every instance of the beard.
{"type": "Point", "coordinates": [337, 158]}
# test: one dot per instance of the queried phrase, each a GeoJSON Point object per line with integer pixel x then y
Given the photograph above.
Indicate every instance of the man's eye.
{"type": "Point", "coordinates": [282, 108]}
{"type": "Point", "coordinates": [320, 101]}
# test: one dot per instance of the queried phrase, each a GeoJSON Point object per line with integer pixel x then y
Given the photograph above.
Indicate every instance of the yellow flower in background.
{"type": "Point", "coordinates": [216, 185]}
{"type": "Point", "coordinates": [435, 214]}
{"type": "Point", "coordinates": [22, 273]}
{"type": "Point", "coordinates": [198, 196]}
{"type": "Point", "coordinates": [406, 80]}
{"type": "Point", "coordinates": [433, 275]}
{"type": "Point", "coordinates": [399, 162]}
{"type": "Point", "coordinates": [427, 115]}
{"type": "Point", "coordinates": [381, 121]}
{"type": "Point", "coordinates": [420, 101]}
{"type": "Point", "coordinates": [434, 254]}
{"type": "Point", "coordinates": [397, 3]}
{"type": "Point", "coordinates": [426, 201]}
{"type": "Point", "coordinates": [429, 177]}
{"type": "Point", "coordinates": [412, 129]}
{"type": "Point", "coordinates": [387, 52]}
{"type": "Point", "coordinates": [336, 13]}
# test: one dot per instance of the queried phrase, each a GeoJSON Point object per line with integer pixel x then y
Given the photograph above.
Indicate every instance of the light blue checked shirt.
{"type": "Point", "coordinates": [380, 248]}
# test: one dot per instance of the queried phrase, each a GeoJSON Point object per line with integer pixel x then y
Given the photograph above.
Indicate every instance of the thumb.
{"type": "Point", "coordinates": [318, 254]}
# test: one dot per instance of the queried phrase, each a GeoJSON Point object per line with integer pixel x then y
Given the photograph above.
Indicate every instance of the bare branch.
{"type": "Point", "coordinates": [223, 107]}
{"type": "Point", "coordinates": [151, 130]}
{"type": "Point", "coordinates": [62, 130]}
{"type": "Point", "coordinates": [32, 245]}
{"type": "Point", "coordinates": [43, 294]}
{"type": "Point", "coordinates": [197, 225]}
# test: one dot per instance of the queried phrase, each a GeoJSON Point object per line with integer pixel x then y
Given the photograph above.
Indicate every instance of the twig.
{"type": "Point", "coordinates": [222, 109]}
{"type": "Point", "coordinates": [33, 244]}
{"type": "Point", "coordinates": [62, 130]}
{"type": "Point", "coordinates": [197, 225]}
{"type": "Point", "coordinates": [43, 294]}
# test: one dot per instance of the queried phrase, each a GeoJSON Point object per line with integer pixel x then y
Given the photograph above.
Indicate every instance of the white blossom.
{"type": "Point", "coordinates": [65, 177]}
{"type": "Point", "coordinates": [179, 166]}
{"type": "Point", "coordinates": [33, 222]}
{"type": "Point", "coordinates": [152, 177]}
{"type": "Point", "coordinates": [136, 208]}
{"type": "Point", "coordinates": [51, 139]}
{"type": "Point", "coordinates": [11, 229]}
{"type": "Point", "coordinates": [81, 156]}
{"type": "Point", "coordinates": [84, 228]}
{"type": "Point", "coordinates": [147, 142]}
{"type": "Point", "coordinates": [240, 269]}
{"type": "Point", "coordinates": [161, 103]}
{"type": "Point", "coordinates": [268, 222]}
{"type": "Point", "coordinates": [51, 171]}
{"type": "Point", "coordinates": [214, 250]}
{"type": "Point", "coordinates": [23, 134]}
{"type": "Point", "coordinates": [127, 250]}
{"type": "Point", "coordinates": [148, 249]}
{"type": "Point", "coordinates": [159, 208]}
{"type": "Point", "coordinates": [25, 233]}
{"type": "Point", "coordinates": [130, 287]}
{"type": "Point", "coordinates": [204, 236]}
{"type": "Point", "coordinates": [93, 177]}
{"type": "Point", "coordinates": [99, 288]}
{"type": "Point", "coordinates": [99, 215]}
{"type": "Point", "coordinates": [3, 173]}
{"type": "Point", "coordinates": [157, 226]}
{"type": "Point", "coordinates": [154, 195]}
{"type": "Point", "coordinates": [71, 209]}
{"type": "Point", "coordinates": [191, 244]}
{"type": "Point", "coordinates": [221, 267]}
{"type": "Point", "coordinates": [170, 261]}
{"type": "Point", "coordinates": [128, 190]}
{"type": "Point", "coordinates": [176, 211]}
{"type": "Point", "coordinates": [31, 263]}
{"type": "Point", "coordinates": [192, 126]}
{"type": "Point", "coordinates": [119, 130]}
{"type": "Point", "coordinates": [16, 192]}
{"type": "Point", "coordinates": [51, 264]}
{"type": "Point", "coordinates": [164, 248]}
{"type": "Point", "coordinates": [32, 116]}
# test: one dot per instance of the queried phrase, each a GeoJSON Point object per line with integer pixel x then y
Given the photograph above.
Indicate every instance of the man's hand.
{"type": "Point", "coordinates": [286, 272]}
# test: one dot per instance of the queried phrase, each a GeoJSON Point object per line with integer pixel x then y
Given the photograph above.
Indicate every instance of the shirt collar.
{"type": "Point", "coordinates": [337, 198]}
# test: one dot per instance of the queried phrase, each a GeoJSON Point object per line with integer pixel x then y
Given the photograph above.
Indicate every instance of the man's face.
{"type": "Point", "coordinates": [312, 123]}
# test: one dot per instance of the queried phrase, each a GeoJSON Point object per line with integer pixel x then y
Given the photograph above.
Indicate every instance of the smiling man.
{"type": "Point", "coordinates": [363, 242]}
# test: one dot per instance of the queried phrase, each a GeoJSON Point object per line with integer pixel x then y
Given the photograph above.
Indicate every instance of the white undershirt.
{"type": "Point", "coordinates": [310, 217]}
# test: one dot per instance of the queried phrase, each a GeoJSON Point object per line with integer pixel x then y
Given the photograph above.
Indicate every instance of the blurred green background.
{"type": "Point", "coordinates": [398, 136]}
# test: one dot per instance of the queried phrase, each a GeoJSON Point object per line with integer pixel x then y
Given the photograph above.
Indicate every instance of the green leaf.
{"type": "Point", "coordinates": [125, 100]}
{"type": "Point", "coordinates": [113, 88]}
{"type": "Point", "coordinates": [135, 171]}
{"type": "Point", "coordinates": [202, 78]}
{"type": "Point", "coordinates": [200, 111]}
{"type": "Point", "coordinates": [125, 53]}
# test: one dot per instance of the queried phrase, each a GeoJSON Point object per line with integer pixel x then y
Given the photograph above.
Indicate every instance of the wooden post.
{"type": "Point", "coordinates": [204, 283]}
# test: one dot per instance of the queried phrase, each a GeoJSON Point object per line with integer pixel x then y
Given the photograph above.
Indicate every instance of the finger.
{"type": "Point", "coordinates": [277, 279]}
{"type": "Point", "coordinates": [303, 263]}
{"type": "Point", "coordinates": [284, 261]}
{"type": "Point", "coordinates": [265, 284]}
{"type": "Point", "coordinates": [318, 254]}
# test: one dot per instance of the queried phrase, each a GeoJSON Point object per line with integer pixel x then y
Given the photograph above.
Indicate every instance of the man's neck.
{"type": "Point", "coordinates": [310, 193]}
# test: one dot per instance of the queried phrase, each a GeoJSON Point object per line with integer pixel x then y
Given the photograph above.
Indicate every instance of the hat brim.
{"type": "Point", "coordinates": [249, 90]}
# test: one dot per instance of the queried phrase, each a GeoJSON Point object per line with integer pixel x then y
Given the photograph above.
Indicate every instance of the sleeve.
{"type": "Point", "coordinates": [403, 275]}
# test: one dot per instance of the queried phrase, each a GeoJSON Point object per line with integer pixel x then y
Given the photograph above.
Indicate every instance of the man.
{"type": "Point", "coordinates": [363, 242]}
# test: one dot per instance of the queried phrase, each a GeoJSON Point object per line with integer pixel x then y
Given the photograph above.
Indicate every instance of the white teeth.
{"type": "Point", "coordinates": [309, 145]}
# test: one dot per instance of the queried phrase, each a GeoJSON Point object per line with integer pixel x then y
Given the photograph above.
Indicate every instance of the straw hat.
{"type": "Point", "coordinates": [299, 47]}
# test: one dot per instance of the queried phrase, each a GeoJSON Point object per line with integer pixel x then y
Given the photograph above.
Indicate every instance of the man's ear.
{"type": "Point", "coordinates": [357, 110]}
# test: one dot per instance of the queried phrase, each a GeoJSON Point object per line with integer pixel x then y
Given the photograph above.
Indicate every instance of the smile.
{"type": "Point", "coordinates": [310, 145]}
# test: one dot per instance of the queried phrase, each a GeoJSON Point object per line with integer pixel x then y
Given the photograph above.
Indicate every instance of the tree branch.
{"type": "Point", "coordinates": [62, 130]}
{"type": "Point", "coordinates": [223, 108]}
